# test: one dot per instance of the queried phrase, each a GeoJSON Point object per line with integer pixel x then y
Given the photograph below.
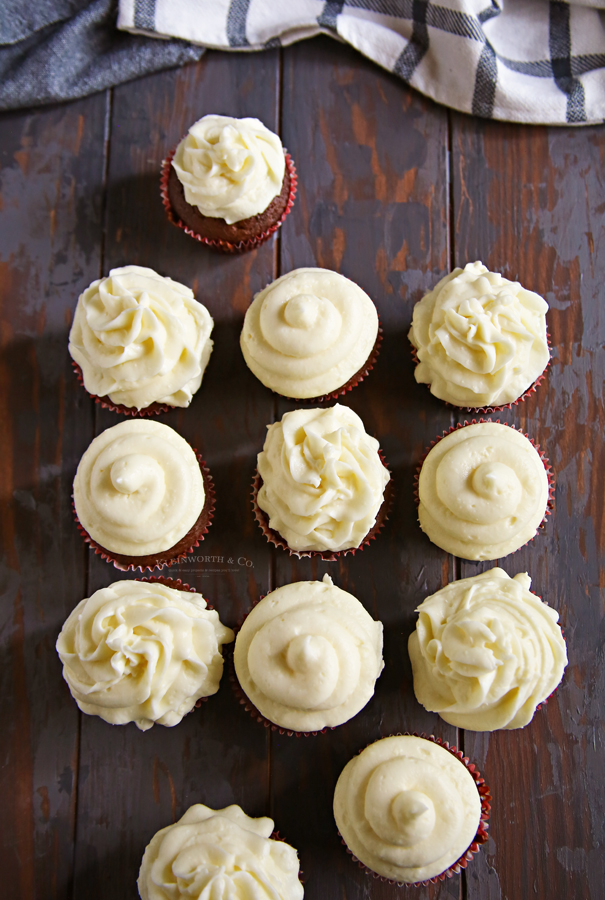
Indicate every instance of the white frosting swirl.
{"type": "Point", "coordinates": [138, 488]}
{"type": "Point", "coordinates": [407, 808]}
{"type": "Point", "coordinates": [142, 652]}
{"type": "Point", "coordinates": [483, 491]}
{"type": "Point", "coordinates": [309, 332]}
{"type": "Point", "coordinates": [140, 338]}
{"type": "Point", "coordinates": [308, 655]}
{"type": "Point", "coordinates": [230, 169]}
{"type": "Point", "coordinates": [480, 338]}
{"type": "Point", "coordinates": [486, 652]}
{"type": "Point", "coordinates": [219, 854]}
{"type": "Point", "coordinates": [323, 481]}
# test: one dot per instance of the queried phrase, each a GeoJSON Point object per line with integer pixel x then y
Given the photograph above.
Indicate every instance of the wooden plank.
{"type": "Point", "coordinates": [137, 783]}
{"type": "Point", "coordinates": [374, 206]}
{"type": "Point", "coordinates": [529, 202]}
{"type": "Point", "coordinates": [52, 165]}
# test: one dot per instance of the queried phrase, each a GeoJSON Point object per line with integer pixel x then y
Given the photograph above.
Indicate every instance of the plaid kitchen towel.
{"type": "Point", "coordinates": [535, 61]}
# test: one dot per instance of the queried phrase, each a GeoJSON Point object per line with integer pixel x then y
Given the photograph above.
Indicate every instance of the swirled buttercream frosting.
{"type": "Point", "coordinates": [486, 652]}
{"type": "Point", "coordinates": [140, 338]}
{"type": "Point", "coordinates": [309, 332]}
{"type": "Point", "coordinates": [323, 480]}
{"type": "Point", "coordinates": [483, 491]}
{"type": "Point", "coordinates": [142, 652]}
{"type": "Point", "coordinates": [480, 339]}
{"type": "Point", "coordinates": [219, 854]}
{"type": "Point", "coordinates": [230, 169]}
{"type": "Point", "coordinates": [407, 808]}
{"type": "Point", "coordinates": [308, 656]}
{"type": "Point", "coordinates": [138, 488]}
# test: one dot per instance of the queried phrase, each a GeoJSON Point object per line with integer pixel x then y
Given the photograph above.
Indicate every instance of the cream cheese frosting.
{"type": "Point", "coordinates": [486, 652]}
{"type": "Point", "coordinates": [140, 338]}
{"type": "Point", "coordinates": [142, 652]}
{"type": "Point", "coordinates": [138, 488]}
{"type": "Point", "coordinates": [219, 854]}
{"type": "Point", "coordinates": [323, 480]}
{"type": "Point", "coordinates": [483, 491]}
{"type": "Point", "coordinates": [230, 169]}
{"type": "Point", "coordinates": [309, 332]}
{"type": "Point", "coordinates": [308, 655]}
{"type": "Point", "coordinates": [480, 339]}
{"type": "Point", "coordinates": [407, 808]}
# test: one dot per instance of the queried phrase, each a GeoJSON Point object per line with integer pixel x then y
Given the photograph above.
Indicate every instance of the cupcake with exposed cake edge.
{"type": "Point", "coordinates": [143, 498]}
{"type": "Point", "coordinates": [229, 183]}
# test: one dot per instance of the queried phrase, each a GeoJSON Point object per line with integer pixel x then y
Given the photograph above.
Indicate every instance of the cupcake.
{"type": "Point", "coordinates": [486, 652]}
{"type": "Point", "coordinates": [141, 497]}
{"type": "Point", "coordinates": [141, 342]}
{"type": "Point", "coordinates": [480, 340]}
{"type": "Point", "coordinates": [483, 491]}
{"type": "Point", "coordinates": [308, 656]}
{"type": "Point", "coordinates": [229, 183]}
{"type": "Point", "coordinates": [410, 809]}
{"type": "Point", "coordinates": [311, 333]}
{"type": "Point", "coordinates": [142, 652]}
{"type": "Point", "coordinates": [321, 483]}
{"type": "Point", "coordinates": [218, 853]}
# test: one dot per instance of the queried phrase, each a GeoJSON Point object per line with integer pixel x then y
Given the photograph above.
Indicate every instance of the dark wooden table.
{"type": "Point", "coordinates": [394, 191]}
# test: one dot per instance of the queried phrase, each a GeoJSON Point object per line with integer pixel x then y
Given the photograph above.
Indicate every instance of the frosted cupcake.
{"type": "Point", "coordinates": [486, 652]}
{"type": "Point", "coordinates": [410, 809]}
{"type": "Point", "coordinates": [141, 495]}
{"type": "Point", "coordinates": [219, 853]}
{"type": "Point", "coordinates": [142, 652]}
{"type": "Point", "coordinates": [308, 656]}
{"type": "Point", "coordinates": [483, 491]}
{"type": "Point", "coordinates": [310, 333]}
{"type": "Point", "coordinates": [321, 483]}
{"type": "Point", "coordinates": [480, 340]}
{"type": "Point", "coordinates": [229, 183]}
{"type": "Point", "coordinates": [141, 341]}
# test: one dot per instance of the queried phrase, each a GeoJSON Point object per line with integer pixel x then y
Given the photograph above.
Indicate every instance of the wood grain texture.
{"type": "Point", "coordinates": [393, 191]}
{"type": "Point", "coordinates": [528, 202]}
{"type": "Point", "coordinates": [50, 201]}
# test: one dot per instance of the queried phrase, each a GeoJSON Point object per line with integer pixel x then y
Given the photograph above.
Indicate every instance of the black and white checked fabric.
{"type": "Point", "coordinates": [535, 61]}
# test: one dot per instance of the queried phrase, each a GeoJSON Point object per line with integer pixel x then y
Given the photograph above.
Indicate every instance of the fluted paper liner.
{"type": "Point", "coordinates": [154, 409]}
{"type": "Point", "coordinates": [482, 829]}
{"type": "Point", "coordinates": [327, 555]}
{"type": "Point", "coordinates": [163, 558]}
{"type": "Point", "coordinates": [486, 410]}
{"type": "Point", "coordinates": [214, 243]}
{"type": "Point", "coordinates": [549, 472]}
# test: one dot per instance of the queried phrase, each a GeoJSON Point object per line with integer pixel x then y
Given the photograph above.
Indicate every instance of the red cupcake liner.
{"type": "Point", "coordinates": [327, 555]}
{"type": "Point", "coordinates": [348, 385]}
{"type": "Point", "coordinates": [480, 838]}
{"type": "Point", "coordinates": [549, 472]}
{"type": "Point", "coordinates": [487, 410]}
{"type": "Point", "coordinates": [174, 554]}
{"type": "Point", "coordinates": [154, 409]}
{"type": "Point", "coordinates": [226, 246]}
{"type": "Point", "coordinates": [178, 585]}
{"type": "Point", "coordinates": [248, 705]}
